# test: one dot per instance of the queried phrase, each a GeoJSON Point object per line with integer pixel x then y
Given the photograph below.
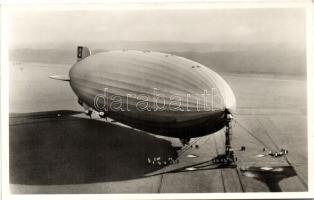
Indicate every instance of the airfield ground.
{"type": "Point", "coordinates": [56, 149]}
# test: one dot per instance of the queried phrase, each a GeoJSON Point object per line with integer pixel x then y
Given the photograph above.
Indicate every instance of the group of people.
{"type": "Point", "coordinates": [159, 161]}
{"type": "Point", "coordinates": [278, 153]}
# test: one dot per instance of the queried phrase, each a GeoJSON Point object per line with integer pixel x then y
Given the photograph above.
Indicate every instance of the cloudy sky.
{"type": "Point", "coordinates": [35, 28]}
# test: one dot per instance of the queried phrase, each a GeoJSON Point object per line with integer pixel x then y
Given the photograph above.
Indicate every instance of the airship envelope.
{"type": "Point", "coordinates": [155, 92]}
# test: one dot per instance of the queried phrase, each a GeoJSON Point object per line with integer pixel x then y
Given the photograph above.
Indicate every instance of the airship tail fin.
{"type": "Point", "coordinates": [82, 52]}
{"type": "Point", "coordinates": [60, 77]}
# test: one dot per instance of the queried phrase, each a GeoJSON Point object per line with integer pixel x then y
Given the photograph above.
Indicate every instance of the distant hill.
{"type": "Point", "coordinates": [275, 60]}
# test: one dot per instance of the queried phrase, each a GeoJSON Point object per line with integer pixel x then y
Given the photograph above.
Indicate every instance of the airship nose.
{"type": "Point", "coordinates": [228, 97]}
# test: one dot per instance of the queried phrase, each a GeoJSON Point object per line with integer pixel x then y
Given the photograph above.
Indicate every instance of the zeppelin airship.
{"type": "Point", "coordinates": [156, 92]}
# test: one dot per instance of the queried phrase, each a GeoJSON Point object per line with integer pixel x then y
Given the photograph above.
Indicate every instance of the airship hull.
{"type": "Point", "coordinates": [210, 123]}
{"type": "Point", "coordinates": [155, 92]}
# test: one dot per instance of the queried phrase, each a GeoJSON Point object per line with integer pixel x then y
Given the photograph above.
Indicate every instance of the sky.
{"type": "Point", "coordinates": [30, 28]}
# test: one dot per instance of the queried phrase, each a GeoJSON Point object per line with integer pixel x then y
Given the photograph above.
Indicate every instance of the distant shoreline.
{"type": "Point", "coordinates": [273, 60]}
{"type": "Point", "coordinates": [223, 74]}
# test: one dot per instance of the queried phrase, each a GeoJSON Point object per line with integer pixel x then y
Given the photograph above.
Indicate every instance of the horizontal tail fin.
{"type": "Point", "coordinates": [82, 52]}
{"type": "Point", "coordinates": [60, 77]}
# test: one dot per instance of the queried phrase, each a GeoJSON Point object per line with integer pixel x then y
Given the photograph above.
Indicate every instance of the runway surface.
{"type": "Point", "coordinates": [54, 148]}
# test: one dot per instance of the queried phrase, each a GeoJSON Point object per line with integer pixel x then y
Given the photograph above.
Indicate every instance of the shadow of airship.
{"type": "Point", "coordinates": [72, 150]}
{"type": "Point", "coordinates": [271, 176]}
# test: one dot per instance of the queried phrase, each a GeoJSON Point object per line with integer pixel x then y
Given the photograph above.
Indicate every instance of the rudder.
{"type": "Point", "coordinates": [82, 52]}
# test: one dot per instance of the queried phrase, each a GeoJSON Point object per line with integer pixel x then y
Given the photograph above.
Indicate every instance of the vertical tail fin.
{"type": "Point", "coordinates": [82, 52]}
